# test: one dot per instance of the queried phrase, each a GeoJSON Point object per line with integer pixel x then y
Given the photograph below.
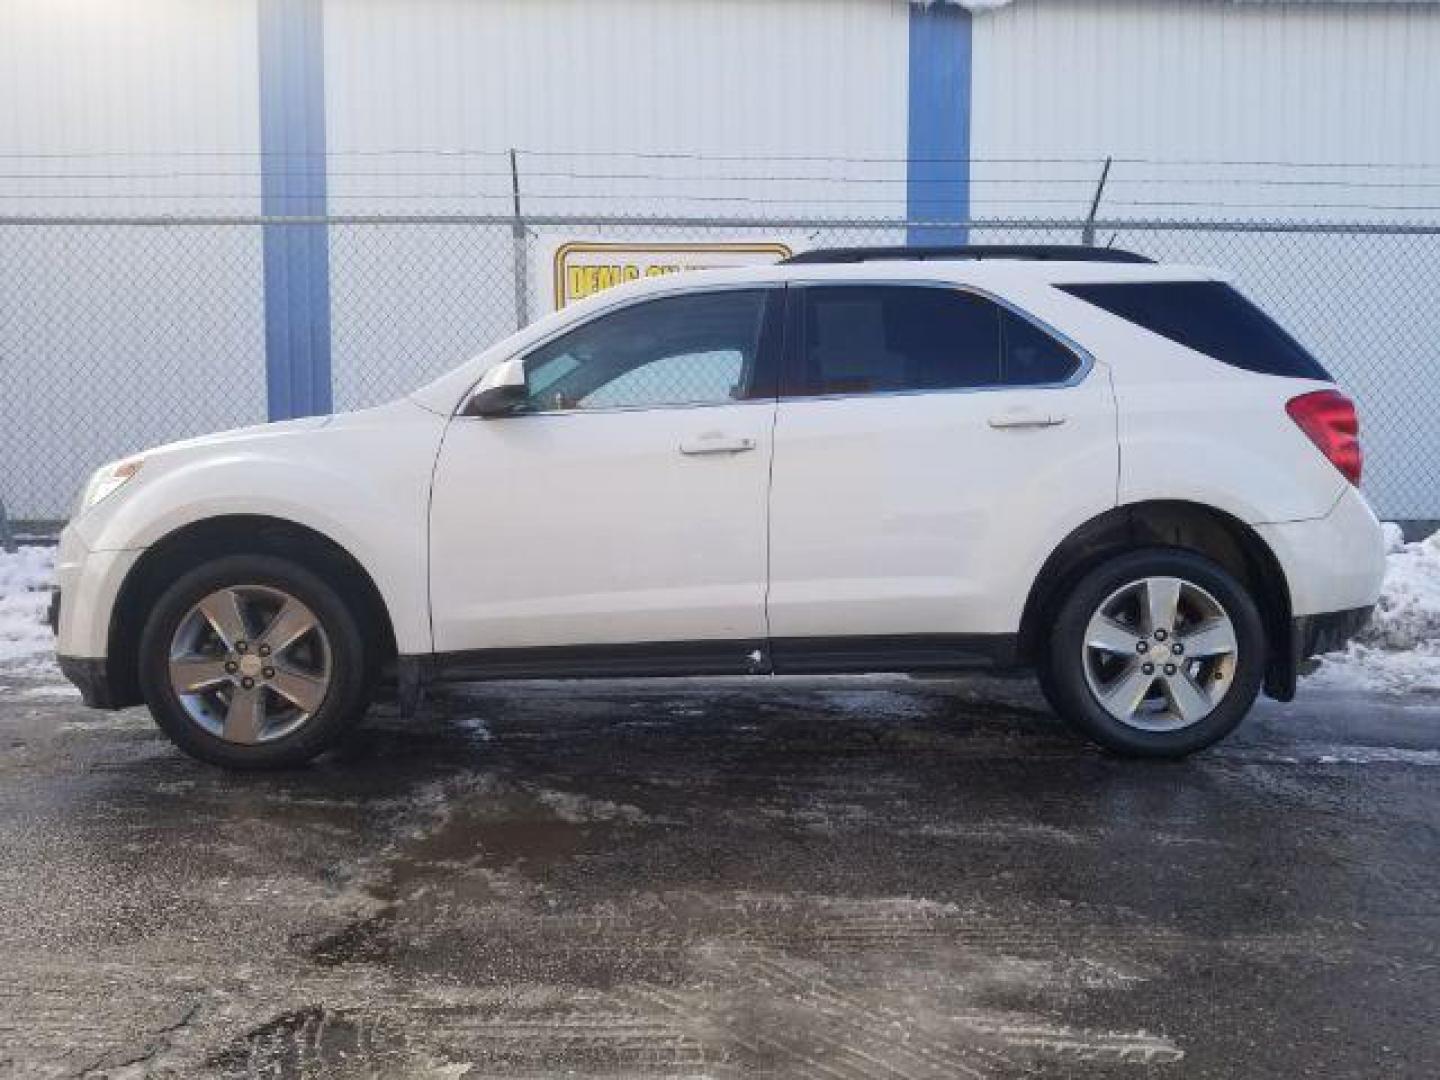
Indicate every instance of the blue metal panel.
{"type": "Point", "coordinates": [938, 180]}
{"type": "Point", "coordinates": [292, 183]}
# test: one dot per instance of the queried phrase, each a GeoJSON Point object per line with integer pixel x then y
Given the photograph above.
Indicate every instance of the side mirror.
{"type": "Point", "coordinates": [499, 391]}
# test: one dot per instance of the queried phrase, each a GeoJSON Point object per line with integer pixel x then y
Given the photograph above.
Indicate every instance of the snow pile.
{"type": "Point", "coordinates": [25, 579]}
{"type": "Point", "coordinates": [1399, 650]}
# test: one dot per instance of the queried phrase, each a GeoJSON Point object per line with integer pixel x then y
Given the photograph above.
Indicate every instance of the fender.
{"type": "Point", "coordinates": [361, 480]}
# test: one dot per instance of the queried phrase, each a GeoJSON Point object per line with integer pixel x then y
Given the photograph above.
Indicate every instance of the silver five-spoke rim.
{"type": "Point", "coordinates": [250, 664]}
{"type": "Point", "coordinates": [1160, 654]}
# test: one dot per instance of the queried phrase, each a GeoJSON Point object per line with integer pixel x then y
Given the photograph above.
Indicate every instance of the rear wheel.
{"type": "Point", "coordinates": [253, 662]}
{"type": "Point", "coordinates": [1156, 653]}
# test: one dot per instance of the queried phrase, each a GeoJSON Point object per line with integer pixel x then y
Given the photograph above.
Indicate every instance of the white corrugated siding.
{"type": "Point", "coordinates": [1174, 88]}
{"type": "Point", "coordinates": [425, 97]}
{"type": "Point", "coordinates": [151, 107]}
{"type": "Point", "coordinates": [718, 78]}
{"type": "Point", "coordinates": [1246, 112]}
{"type": "Point", "coordinates": [127, 107]}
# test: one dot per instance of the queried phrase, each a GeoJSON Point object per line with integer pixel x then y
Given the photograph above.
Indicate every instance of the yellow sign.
{"type": "Point", "coordinates": [583, 268]}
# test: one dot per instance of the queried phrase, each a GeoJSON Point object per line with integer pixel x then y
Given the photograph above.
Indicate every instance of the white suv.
{"type": "Point", "coordinates": [1121, 474]}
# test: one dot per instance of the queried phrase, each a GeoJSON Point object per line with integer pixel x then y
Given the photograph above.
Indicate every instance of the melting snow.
{"type": "Point", "coordinates": [25, 578]}
{"type": "Point", "coordinates": [1399, 651]}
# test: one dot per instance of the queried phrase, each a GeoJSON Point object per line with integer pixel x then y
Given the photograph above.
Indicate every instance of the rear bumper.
{"type": "Point", "coordinates": [1332, 564]}
{"type": "Point", "coordinates": [1333, 567]}
{"type": "Point", "coordinates": [1312, 635]}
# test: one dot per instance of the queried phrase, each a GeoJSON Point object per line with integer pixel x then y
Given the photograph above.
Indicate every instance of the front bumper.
{"type": "Point", "coordinates": [81, 610]}
{"type": "Point", "coordinates": [89, 584]}
{"type": "Point", "coordinates": [91, 676]}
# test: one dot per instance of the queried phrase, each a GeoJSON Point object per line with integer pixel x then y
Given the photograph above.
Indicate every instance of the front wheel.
{"type": "Point", "coordinates": [253, 662]}
{"type": "Point", "coordinates": [1156, 653]}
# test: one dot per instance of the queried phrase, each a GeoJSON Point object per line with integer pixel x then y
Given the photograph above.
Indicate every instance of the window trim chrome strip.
{"type": "Point", "coordinates": [1086, 360]}
{"type": "Point", "coordinates": [621, 305]}
{"type": "Point", "coordinates": [1086, 365]}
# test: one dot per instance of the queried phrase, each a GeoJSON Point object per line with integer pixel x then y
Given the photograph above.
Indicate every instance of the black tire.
{"type": "Point", "coordinates": [1063, 676]}
{"type": "Point", "coordinates": [351, 666]}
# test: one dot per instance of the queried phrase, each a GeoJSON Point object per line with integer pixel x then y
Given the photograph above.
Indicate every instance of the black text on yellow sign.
{"type": "Point", "coordinates": [583, 269]}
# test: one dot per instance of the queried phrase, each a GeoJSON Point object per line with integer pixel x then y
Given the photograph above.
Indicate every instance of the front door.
{"type": "Point", "coordinates": [624, 503]}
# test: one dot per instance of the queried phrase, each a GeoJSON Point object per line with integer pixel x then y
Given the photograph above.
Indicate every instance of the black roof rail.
{"type": "Point", "coordinates": [1032, 252]}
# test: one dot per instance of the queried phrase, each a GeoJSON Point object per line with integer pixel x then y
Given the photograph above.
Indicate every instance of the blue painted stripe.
{"type": "Point", "coordinates": [292, 183]}
{"type": "Point", "coordinates": [938, 178]}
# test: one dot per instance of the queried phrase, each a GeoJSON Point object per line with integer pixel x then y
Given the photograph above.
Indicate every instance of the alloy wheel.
{"type": "Point", "coordinates": [250, 663]}
{"type": "Point", "coordinates": [1160, 654]}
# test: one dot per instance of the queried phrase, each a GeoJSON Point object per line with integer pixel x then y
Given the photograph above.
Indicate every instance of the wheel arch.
{"type": "Point", "coordinates": [1188, 526]}
{"type": "Point", "coordinates": [238, 534]}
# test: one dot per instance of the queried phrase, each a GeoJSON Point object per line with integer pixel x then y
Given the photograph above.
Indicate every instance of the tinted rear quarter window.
{"type": "Point", "coordinates": [1031, 356]}
{"type": "Point", "coordinates": [1209, 317]}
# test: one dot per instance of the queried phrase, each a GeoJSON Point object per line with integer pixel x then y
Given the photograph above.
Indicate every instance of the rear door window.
{"type": "Point", "coordinates": [1209, 317]}
{"type": "Point", "coordinates": [873, 339]}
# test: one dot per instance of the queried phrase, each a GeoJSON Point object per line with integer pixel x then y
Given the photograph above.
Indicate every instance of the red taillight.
{"type": "Point", "coordinates": [1328, 417]}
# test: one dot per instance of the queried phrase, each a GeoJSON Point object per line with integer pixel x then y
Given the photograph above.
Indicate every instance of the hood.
{"type": "Point", "coordinates": [253, 431]}
{"type": "Point", "coordinates": [281, 429]}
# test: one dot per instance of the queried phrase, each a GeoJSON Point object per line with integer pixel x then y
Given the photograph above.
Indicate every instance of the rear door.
{"type": "Point", "coordinates": [932, 446]}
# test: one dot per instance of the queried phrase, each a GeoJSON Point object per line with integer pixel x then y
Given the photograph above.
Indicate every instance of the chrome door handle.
{"type": "Point", "coordinates": [715, 444]}
{"type": "Point", "coordinates": [1026, 419]}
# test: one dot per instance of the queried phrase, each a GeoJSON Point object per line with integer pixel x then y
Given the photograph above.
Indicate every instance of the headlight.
{"type": "Point", "coordinates": [107, 480]}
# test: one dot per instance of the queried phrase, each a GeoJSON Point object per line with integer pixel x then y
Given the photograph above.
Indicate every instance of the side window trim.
{"type": "Point", "coordinates": [793, 374]}
{"type": "Point", "coordinates": [767, 359]}
{"type": "Point", "coordinates": [769, 354]}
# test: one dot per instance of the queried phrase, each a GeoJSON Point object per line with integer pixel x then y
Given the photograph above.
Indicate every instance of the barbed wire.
{"type": "Point", "coordinates": [581, 200]}
{"type": "Point", "coordinates": [903, 159]}
{"type": "Point", "coordinates": [650, 177]}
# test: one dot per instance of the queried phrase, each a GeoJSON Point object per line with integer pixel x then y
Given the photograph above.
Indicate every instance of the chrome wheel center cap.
{"type": "Point", "coordinates": [250, 666]}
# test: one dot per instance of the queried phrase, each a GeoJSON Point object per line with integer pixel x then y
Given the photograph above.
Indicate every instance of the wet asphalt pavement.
{"type": "Point", "coordinates": [862, 878]}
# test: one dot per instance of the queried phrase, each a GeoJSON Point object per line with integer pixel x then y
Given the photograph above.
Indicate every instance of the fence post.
{"type": "Point", "coordinates": [7, 538]}
{"type": "Point", "coordinates": [1087, 232]}
{"type": "Point", "coordinates": [520, 261]}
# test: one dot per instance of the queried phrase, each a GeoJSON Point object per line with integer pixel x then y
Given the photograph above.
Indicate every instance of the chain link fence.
{"type": "Point", "coordinates": [117, 334]}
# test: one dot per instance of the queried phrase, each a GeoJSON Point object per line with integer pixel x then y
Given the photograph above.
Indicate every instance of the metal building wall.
{"type": "Point", "coordinates": [128, 107]}
{"type": "Point", "coordinates": [1315, 112]}
{"type": "Point", "coordinates": [694, 107]}
{"type": "Point", "coordinates": [604, 99]}
{"type": "Point", "coordinates": [1203, 104]}
{"type": "Point", "coordinates": [124, 107]}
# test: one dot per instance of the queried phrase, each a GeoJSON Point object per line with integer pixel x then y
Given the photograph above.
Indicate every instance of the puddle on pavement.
{"type": "Point", "coordinates": [487, 844]}
{"type": "Point", "coordinates": [479, 839]}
